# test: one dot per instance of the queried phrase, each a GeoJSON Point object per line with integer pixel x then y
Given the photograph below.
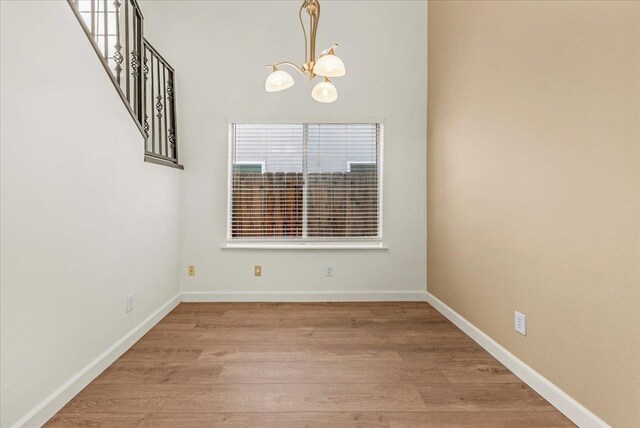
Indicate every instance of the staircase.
{"type": "Point", "coordinates": [142, 77]}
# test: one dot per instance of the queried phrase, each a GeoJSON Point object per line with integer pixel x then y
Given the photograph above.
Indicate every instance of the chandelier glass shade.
{"type": "Point", "coordinates": [326, 65]}
{"type": "Point", "coordinates": [325, 92]}
{"type": "Point", "coordinates": [329, 66]}
{"type": "Point", "coordinates": [278, 80]}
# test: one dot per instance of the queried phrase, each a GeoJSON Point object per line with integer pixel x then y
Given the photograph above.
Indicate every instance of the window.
{"type": "Point", "coordinates": [305, 182]}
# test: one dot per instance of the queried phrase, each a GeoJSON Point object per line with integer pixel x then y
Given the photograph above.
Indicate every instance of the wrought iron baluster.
{"type": "Point", "coordinates": [93, 17]}
{"type": "Point", "coordinates": [135, 63]}
{"type": "Point", "coordinates": [174, 122]}
{"type": "Point", "coordinates": [105, 33]}
{"type": "Point", "coordinates": [117, 55]}
{"type": "Point", "coordinates": [159, 106]}
{"type": "Point", "coordinates": [140, 49]}
{"type": "Point", "coordinates": [135, 73]}
{"type": "Point", "coordinates": [164, 90]}
{"type": "Point", "coordinates": [170, 132]}
{"type": "Point", "coordinates": [126, 49]}
{"type": "Point", "coordinates": [153, 121]}
{"type": "Point", "coordinates": [145, 72]}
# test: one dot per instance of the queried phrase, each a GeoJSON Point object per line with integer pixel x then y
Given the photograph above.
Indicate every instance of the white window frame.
{"type": "Point", "coordinates": [348, 243]}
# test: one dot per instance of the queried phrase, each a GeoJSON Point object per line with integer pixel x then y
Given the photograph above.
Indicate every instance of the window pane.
{"type": "Point", "coordinates": [267, 204]}
{"type": "Point", "coordinates": [342, 180]}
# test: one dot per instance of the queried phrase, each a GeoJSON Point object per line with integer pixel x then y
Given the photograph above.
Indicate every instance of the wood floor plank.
{"type": "Point", "coordinates": [110, 398]}
{"type": "Point", "coordinates": [135, 372]}
{"type": "Point", "coordinates": [289, 353]}
{"type": "Point", "coordinates": [265, 420]}
{"type": "Point", "coordinates": [215, 398]}
{"type": "Point", "coordinates": [332, 318]}
{"type": "Point", "coordinates": [371, 336]}
{"type": "Point", "coordinates": [483, 372]}
{"type": "Point", "coordinates": [298, 313]}
{"type": "Point", "coordinates": [162, 352]}
{"type": "Point", "coordinates": [102, 420]}
{"type": "Point", "coordinates": [175, 324]}
{"type": "Point", "coordinates": [288, 397]}
{"type": "Point", "coordinates": [333, 373]}
{"type": "Point", "coordinates": [482, 397]}
{"type": "Point", "coordinates": [340, 397]}
{"type": "Point", "coordinates": [364, 364]}
{"type": "Point", "coordinates": [453, 349]}
{"type": "Point", "coordinates": [480, 419]}
{"type": "Point", "coordinates": [221, 335]}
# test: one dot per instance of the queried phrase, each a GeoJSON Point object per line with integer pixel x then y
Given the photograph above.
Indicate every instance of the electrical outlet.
{"type": "Point", "coordinates": [257, 270]}
{"type": "Point", "coordinates": [191, 270]}
{"type": "Point", "coordinates": [521, 323]}
{"type": "Point", "coordinates": [328, 271]}
{"type": "Point", "coordinates": [129, 307]}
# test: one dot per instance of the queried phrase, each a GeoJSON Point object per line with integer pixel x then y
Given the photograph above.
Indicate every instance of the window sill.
{"type": "Point", "coordinates": [368, 246]}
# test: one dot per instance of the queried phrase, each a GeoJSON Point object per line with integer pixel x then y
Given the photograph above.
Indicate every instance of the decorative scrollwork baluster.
{"type": "Point", "coordinates": [118, 58]}
{"type": "Point", "coordinates": [145, 68]}
{"type": "Point", "coordinates": [159, 106]}
{"type": "Point", "coordinates": [146, 125]}
{"type": "Point", "coordinates": [169, 90]}
{"type": "Point", "coordinates": [117, 55]}
{"type": "Point", "coordinates": [145, 74]}
{"type": "Point", "coordinates": [135, 63]}
{"type": "Point", "coordinates": [172, 139]}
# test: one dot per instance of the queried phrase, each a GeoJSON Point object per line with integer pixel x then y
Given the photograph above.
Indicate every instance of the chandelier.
{"type": "Point", "coordinates": [325, 66]}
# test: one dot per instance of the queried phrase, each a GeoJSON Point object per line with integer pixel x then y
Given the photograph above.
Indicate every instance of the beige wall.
{"type": "Point", "coordinates": [534, 186]}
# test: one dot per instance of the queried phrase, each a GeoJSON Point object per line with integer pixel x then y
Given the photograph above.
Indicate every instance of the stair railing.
{"type": "Point", "coordinates": [143, 78]}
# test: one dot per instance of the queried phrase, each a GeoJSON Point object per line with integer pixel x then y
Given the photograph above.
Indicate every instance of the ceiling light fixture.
{"type": "Point", "coordinates": [327, 64]}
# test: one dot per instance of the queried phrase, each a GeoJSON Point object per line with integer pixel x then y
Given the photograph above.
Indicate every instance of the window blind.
{"type": "Point", "coordinates": [315, 182]}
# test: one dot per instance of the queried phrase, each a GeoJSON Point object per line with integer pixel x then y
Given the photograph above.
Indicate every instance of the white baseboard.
{"type": "Point", "coordinates": [61, 396]}
{"type": "Point", "coordinates": [329, 296]}
{"type": "Point", "coordinates": [562, 401]}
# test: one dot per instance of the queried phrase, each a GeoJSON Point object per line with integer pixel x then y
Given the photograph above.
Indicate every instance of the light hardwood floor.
{"type": "Point", "coordinates": [392, 364]}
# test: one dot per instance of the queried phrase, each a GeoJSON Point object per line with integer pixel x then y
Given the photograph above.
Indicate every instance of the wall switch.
{"type": "Point", "coordinates": [257, 270]}
{"type": "Point", "coordinates": [129, 307]}
{"type": "Point", "coordinates": [521, 323]}
{"type": "Point", "coordinates": [328, 271]}
{"type": "Point", "coordinates": [191, 270]}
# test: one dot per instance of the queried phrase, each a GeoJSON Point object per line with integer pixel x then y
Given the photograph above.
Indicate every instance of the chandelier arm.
{"type": "Point", "coordinates": [304, 31]}
{"type": "Point", "coordinates": [314, 31]}
{"type": "Point", "coordinates": [328, 51]}
{"type": "Point", "coordinates": [290, 64]}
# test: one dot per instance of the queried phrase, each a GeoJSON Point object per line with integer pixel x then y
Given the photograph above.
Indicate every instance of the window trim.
{"type": "Point", "coordinates": [310, 246]}
{"type": "Point", "coordinates": [335, 243]}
